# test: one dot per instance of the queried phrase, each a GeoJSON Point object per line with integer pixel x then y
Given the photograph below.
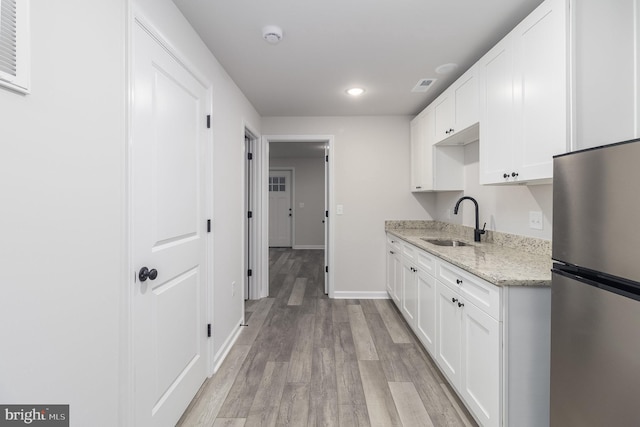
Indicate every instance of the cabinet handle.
{"type": "Point", "coordinates": [391, 252]}
{"type": "Point", "coordinates": [459, 282]}
{"type": "Point", "coordinates": [451, 130]}
{"type": "Point", "coordinates": [505, 176]}
{"type": "Point", "coordinates": [514, 174]}
{"type": "Point", "coordinates": [418, 187]}
{"type": "Point", "coordinates": [460, 304]}
{"type": "Point", "coordinates": [454, 299]}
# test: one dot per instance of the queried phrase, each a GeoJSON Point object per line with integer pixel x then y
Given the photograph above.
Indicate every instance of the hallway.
{"type": "Point", "coordinates": [306, 360]}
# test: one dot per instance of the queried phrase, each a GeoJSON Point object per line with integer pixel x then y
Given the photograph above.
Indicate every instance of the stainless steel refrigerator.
{"type": "Point", "coordinates": [595, 302]}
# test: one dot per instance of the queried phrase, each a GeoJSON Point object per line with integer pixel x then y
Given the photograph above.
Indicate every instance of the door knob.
{"type": "Point", "coordinates": [145, 274]}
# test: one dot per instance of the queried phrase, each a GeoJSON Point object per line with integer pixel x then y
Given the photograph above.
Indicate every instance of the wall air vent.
{"type": "Point", "coordinates": [14, 45]}
{"type": "Point", "coordinates": [423, 85]}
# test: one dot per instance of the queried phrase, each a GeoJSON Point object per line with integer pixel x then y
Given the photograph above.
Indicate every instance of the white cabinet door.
{"type": "Point", "coordinates": [422, 167]}
{"type": "Point", "coordinates": [523, 99]}
{"type": "Point", "coordinates": [397, 278]}
{"type": "Point", "coordinates": [448, 333]}
{"type": "Point", "coordinates": [465, 96]}
{"type": "Point", "coordinates": [444, 119]}
{"type": "Point", "coordinates": [391, 276]}
{"type": "Point", "coordinates": [426, 322]}
{"type": "Point", "coordinates": [480, 365]}
{"type": "Point", "coordinates": [540, 70]}
{"type": "Point", "coordinates": [496, 114]}
{"type": "Point", "coordinates": [409, 293]}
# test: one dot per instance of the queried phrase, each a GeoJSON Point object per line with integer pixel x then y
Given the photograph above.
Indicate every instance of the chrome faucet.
{"type": "Point", "coordinates": [476, 232]}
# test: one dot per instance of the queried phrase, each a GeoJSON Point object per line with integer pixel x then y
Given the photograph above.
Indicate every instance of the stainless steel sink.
{"type": "Point", "coordinates": [446, 242]}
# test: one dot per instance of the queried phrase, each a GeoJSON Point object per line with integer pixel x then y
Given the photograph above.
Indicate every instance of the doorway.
{"type": "Point", "coordinates": [324, 214]}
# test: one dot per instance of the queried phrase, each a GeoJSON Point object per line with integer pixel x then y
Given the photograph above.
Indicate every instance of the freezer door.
{"type": "Point", "coordinates": [596, 209]}
{"type": "Point", "coordinates": [595, 356]}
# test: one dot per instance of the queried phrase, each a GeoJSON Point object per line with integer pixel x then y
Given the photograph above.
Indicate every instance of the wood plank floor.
{"type": "Point", "coordinates": [306, 360]}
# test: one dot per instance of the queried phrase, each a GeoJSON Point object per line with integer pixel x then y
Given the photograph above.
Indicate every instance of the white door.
{"type": "Point", "coordinates": [168, 233]}
{"type": "Point", "coordinates": [280, 208]}
{"type": "Point", "coordinates": [326, 220]}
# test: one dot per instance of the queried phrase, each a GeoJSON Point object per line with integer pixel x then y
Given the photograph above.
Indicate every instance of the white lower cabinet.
{"type": "Point", "coordinates": [394, 269]}
{"type": "Point", "coordinates": [409, 296]}
{"type": "Point", "coordinates": [490, 342]}
{"type": "Point", "coordinates": [425, 327]}
{"type": "Point", "coordinates": [480, 364]}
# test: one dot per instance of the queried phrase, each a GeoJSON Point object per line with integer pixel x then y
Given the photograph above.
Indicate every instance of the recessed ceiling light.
{"type": "Point", "coordinates": [355, 91]}
{"type": "Point", "coordinates": [446, 68]}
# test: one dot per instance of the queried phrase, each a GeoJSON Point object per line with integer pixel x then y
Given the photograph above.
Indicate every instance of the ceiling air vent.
{"type": "Point", "coordinates": [423, 85]}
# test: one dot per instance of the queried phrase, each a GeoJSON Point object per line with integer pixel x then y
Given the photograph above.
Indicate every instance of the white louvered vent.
{"type": "Point", "coordinates": [423, 85]}
{"type": "Point", "coordinates": [14, 54]}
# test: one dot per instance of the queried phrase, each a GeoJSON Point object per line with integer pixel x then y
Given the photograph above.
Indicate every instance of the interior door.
{"type": "Point", "coordinates": [280, 208]}
{"type": "Point", "coordinates": [326, 220]}
{"type": "Point", "coordinates": [168, 233]}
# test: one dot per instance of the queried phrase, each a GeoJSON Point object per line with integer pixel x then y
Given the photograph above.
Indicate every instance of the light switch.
{"type": "Point", "coordinates": [339, 209]}
{"type": "Point", "coordinates": [301, 205]}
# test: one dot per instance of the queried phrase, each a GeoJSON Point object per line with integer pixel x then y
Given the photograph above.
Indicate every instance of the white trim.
{"type": "Point", "coordinates": [226, 347]}
{"type": "Point", "coordinates": [360, 295]}
{"type": "Point", "coordinates": [262, 208]}
{"type": "Point", "coordinates": [21, 82]}
{"type": "Point", "coordinates": [304, 247]}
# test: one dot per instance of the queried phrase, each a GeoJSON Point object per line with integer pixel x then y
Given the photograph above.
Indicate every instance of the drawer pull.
{"type": "Point", "coordinates": [459, 282]}
{"type": "Point", "coordinates": [454, 299]}
{"type": "Point", "coordinates": [460, 304]}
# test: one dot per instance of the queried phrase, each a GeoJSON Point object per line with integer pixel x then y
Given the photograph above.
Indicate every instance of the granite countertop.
{"type": "Point", "coordinates": [502, 259]}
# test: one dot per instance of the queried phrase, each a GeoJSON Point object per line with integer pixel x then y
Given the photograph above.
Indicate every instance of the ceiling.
{"type": "Point", "coordinates": [384, 46]}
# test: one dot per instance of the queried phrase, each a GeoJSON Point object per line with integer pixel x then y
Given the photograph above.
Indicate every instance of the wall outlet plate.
{"type": "Point", "coordinates": [535, 220]}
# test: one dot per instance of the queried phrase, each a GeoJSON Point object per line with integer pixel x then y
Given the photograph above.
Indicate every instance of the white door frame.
{"type": "Point", "coordinates": [292, 198]}
{"type": "Point", "coordinates": [263, 205]}
{"type": "Point", "coordinates": [126, 414]}
{"type": "Point", "coordinates": [251, 186]}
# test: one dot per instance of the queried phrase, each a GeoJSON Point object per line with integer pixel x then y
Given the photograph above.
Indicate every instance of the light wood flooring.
{"type": "Point", "coordinates": [306, 360]}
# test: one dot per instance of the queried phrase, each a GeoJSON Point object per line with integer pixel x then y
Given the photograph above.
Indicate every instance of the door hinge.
{"type": "Point", "coordinates": [208, 226]}
{"type": "Point", "coordinates": [208, 330]}
{"type": "Point", "coordinates": [326, 268]}
{"type": "Point", "coordinates": [249, 156]}
{"type": "Point", "coordinates": [326, 159]}
{"type": "Point", "coordinates": [250, 214]}
{"type": "Point", "coordinates": [208, 121]}
{"type": "Point", "coordinates": [326, 214]}
{"type": "Point", "coordinates": [249, 272]}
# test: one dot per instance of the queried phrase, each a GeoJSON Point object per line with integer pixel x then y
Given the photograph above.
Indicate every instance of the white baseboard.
{"type": "Point", "coordinates": [308, 246]}
{"type": "Point", "coordinates": [226, 347]}
{"type": "Point", "coordinates": [360, 295]}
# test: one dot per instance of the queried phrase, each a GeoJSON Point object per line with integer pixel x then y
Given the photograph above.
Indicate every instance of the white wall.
{"type": "Point", "coordinates": [372, 181]}
{"type": "Point", "coordinates": [231, 112]}
{"type": "Point", "coordinates": [62, 215]}
{"type": "Point", "coordinates": [309, 189]}
{"type": "Point", "coordinates": [504, 208]}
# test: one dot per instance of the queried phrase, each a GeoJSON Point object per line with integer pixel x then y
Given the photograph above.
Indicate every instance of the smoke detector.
{"type": "Point", "coordinates": [272, 34]}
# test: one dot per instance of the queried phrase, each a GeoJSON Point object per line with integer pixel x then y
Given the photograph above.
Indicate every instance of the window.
{"type": "Point", "coordinates": [277, 183]}
{"type": "Point", "coordinates": [14, 45]}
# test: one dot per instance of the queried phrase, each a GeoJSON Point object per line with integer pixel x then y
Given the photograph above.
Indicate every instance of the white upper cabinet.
{"type": "Point", "coordinates": [433, 168]}
{"type": "Point", "coordinates": [523, 99]}
{"type": "Point", "coordinates": [456, 110]}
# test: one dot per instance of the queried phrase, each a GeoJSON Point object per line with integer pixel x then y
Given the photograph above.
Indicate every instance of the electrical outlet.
{"type": "Point", "coordinates": [535, 220]}
{"type": "Point", "coordinates": [233, 288]}
{"type": "Point", "coordinates": [301, 205]}
{"type": "Point", "coordinates": [339, 209]}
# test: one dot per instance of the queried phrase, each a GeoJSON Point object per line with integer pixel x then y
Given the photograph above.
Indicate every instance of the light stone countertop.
{"type": "Point", "coordinates": [514, 261]}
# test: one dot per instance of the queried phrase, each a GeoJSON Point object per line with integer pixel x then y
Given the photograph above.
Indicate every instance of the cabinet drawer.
{"type": "Point", "coordinates": [482, 294]}
{"type": "Point", "coordinates": [409, 252]}
{"type": "Point", "coordinates": [426, 262]}
{"type": "Point", "coordinates": [393, 242]}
